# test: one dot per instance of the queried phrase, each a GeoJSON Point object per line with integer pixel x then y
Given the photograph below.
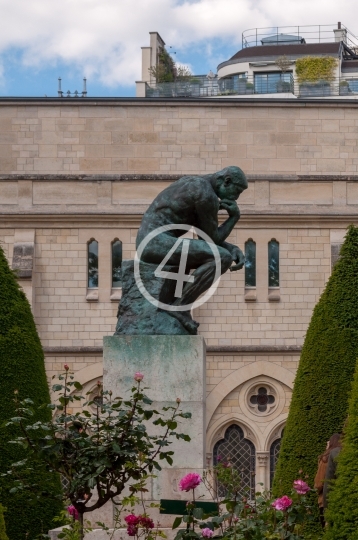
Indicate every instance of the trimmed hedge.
{"type": "Point", "coordinates": [3, 535]}
{"type": "Point", "coordinates": [342, 512]}
{"type": "Point", "coordinates": [323, 381]}
{"type": "Point", "coordinates": [22, 367]}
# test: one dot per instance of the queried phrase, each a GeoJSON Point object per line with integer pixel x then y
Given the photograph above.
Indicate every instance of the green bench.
{"type": "Point", "coordinates": [178, 508]}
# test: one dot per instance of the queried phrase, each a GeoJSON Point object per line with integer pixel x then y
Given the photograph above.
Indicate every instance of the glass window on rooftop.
{"type": "Point", "coordinates": [272, 83]}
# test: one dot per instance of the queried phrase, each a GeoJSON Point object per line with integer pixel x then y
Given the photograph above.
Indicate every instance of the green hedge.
{"type": "Point", "coordinates": [323, 381]}
{"type": "Point", "coordinates": [3, 535]}
{"type": "Point", "coordinates": [342, 513]}
{"type": "Point", "coordinates": [22, 368]}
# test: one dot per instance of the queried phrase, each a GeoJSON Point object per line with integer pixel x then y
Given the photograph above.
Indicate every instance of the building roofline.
{"type": "Point", "coordinates": [179, 102]}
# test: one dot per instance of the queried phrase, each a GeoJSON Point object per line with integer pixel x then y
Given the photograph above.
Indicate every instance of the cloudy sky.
{"type": "Point", "coordinates": [41, 40]}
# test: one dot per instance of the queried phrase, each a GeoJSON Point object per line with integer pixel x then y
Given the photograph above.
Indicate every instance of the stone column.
{"type": "Point", "coordinates": [262, 470]}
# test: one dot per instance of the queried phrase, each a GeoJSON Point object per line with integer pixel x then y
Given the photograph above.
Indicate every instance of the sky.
{"type": "Point", "coordinates": [41, 40]}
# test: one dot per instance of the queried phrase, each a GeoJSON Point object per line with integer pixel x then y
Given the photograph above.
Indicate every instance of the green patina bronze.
{"type": "Point", "coordinates": [192, 201]}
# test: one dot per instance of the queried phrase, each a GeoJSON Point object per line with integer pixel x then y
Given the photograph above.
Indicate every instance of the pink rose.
{"type": "Point", "coordinates": [301, 487]}
{"type": "Point", "coordinates": [66, 367]}
{"type": "Point", "coordinates": [190, 481]}
{"type": "Point", "coordinates": [72, 511]}
{"type": "Point", "coordinates": [207, 533]}
{"type": "Point", "coordinates": [138, 376]}
{"type": "Point", "coordinates": [282, 504]}
{"type": "Point", "coordinates": [131, 519]}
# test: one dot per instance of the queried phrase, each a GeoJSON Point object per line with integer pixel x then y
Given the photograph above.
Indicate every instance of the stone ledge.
{"type": "Point", "coordinates": [252, 177]}
{"type": "Point", "coordinates": [209, 349]}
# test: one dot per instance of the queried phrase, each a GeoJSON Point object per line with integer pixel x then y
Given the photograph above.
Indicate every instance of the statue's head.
{"type": "Point", "coordinates": [229, 183]}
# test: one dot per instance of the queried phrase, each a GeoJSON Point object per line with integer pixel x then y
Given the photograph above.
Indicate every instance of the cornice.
{"type": "Point", "coordinates": [252, 177]}
{"type": "Point", "coordinates": [95, 220]}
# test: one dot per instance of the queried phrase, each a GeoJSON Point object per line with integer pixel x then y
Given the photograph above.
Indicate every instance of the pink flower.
{"type": "Point", "coordinates": [138, 376]}
{"type": "Point", "coordinates": [190, 481]}
{"type": "Point", "coordinates": [131, 519]}
{"type": "Point", "coordinates": [301, 487]}
{"type": "Point", "coordinates": [72, 511]}
{"type": "Point", "coordinates": [207, 533]}
{"type": "Point", "coordinates": [66, 367]}
{"type": "Point", "coordinates": [282, 504]}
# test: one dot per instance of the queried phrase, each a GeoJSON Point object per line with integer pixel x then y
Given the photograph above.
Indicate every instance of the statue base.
{"type": "Point", "coordinates": [173, 367]}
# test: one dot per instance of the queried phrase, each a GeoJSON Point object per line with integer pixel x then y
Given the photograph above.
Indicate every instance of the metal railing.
{"type": "Point", "coordinates": [203, 87]}
{"type": "Point", "coordinates": [265, 84]}
{"type": "Point", "coordinates": [341, 86]}
{"type": "Point", "coordinates": [309, 34]}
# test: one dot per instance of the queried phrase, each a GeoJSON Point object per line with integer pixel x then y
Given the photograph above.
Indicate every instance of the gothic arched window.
{"type": "Point", "coordinates": [92, 264]}
{"type": "Point", "coordinates": [274, 454]}
{"type": "Point", "coordinates": [250, 263]}
{"type": "Point", "coordinates": [240, 452]}
{"type": "Point", "coordinates": [273, 263]}
{"type": "Point", "coordinates": [116, 263]}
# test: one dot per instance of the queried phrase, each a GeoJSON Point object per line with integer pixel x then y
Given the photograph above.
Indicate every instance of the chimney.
{"type": "Point", "coordinates": [340, 34]}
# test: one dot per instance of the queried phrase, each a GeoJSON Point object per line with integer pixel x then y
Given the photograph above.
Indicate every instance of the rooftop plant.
{"type": "Point", "coordinates": [315, 68]}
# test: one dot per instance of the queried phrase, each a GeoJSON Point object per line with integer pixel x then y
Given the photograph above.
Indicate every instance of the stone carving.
{"type": "Point", "coordinates": [192, 201]}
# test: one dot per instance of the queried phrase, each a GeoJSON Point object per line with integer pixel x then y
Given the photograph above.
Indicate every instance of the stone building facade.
{"type": "Point", "coordinates": [74, 172]}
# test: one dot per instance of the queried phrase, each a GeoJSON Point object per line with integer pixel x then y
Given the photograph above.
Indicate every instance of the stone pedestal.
{"type": "Point", "coordinates": [173, 366]}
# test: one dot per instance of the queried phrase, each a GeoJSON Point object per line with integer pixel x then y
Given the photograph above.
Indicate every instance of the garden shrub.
{"type": "Point", "coordinates": [323, 380]}
{"type": "Point", "coordinates": [22, 369]}
{"type": "Point", "coordinates": [342, 512]}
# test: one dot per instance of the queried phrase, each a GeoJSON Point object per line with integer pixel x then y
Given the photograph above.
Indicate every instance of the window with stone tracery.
{"type": "Point", "coordinates": [274, 455]}
{"type": "Point", "coordinates": [240, 452]}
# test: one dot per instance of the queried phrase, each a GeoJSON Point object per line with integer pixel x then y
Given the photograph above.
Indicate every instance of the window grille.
{"type": "Point", "coordinates": [273, 263]}
{"type": "Point", "coordinates": [65, 483]}
{"type": "Point", "coordinates": [92, 257]}
{"type": "Point", "coordinates": [240, 452]}
{"type": "Point", "coordinates": [250, 263]}
{"type": "Point", "coordinates": [274, 455]}
{"type": "Point", "coordinates": [116, 264]}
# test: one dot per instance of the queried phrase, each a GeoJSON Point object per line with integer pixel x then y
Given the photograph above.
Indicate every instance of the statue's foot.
{"type": "Point", "coordinates": [185, 320]}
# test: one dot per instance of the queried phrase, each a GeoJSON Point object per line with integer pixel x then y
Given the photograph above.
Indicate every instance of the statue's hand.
{"type": "Point", "coordinates": [238, 257]}
{"type": "Point", "coordinates": [231, 208]}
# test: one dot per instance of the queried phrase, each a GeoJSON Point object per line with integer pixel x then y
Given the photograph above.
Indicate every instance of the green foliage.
{"type": "Point", "coordinates": [167, 71]}
{"type": "Point", "coordinates": [323, 381]}
{"type": "Point", "coordinates": [22, 369]}
{"type": "Point", "coordinates": [3, 535]}
{"type": "Point", "coordinates": [315, 68]}
{"type": "Point", "coordinates": [240, 518]}
{"type": "Point", "coordinates": [342, 513]}
{"type": "Point", "coordinates": [101, 449]}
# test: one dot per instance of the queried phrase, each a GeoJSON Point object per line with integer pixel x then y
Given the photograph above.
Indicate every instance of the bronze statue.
{"type": "Point", "coordinates": [191, 201]}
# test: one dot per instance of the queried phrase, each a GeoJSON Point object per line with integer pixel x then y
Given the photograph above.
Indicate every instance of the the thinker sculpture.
{"type": "Point", "coordinates": [191, 201]}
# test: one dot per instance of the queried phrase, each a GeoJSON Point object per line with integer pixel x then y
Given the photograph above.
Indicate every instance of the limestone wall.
{"type": "Point", "coordinates": [131, 136]}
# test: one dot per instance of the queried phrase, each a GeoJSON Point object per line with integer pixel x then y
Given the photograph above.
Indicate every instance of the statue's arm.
{"type": "Point", "coordinates": [207, 213]}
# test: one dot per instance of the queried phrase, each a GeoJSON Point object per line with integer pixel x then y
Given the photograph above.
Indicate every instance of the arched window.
{"type": "Point", "coordinates": [92, 258]}
{"type": "Point", "coordinates": [240, 452]}
{"type": "Point", "coordinates": [250, 263]}
{"type": "Point", "coordinates": [274, 454]}
{"type": "Point", "coordinates": [273, 263]}
{"type": "Point", "coordinates": [116, 264]}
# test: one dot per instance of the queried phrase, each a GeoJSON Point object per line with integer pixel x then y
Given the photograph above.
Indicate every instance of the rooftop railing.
{"type": "Point", "coordinates": [259, 84]}
{"type": "Point", "coordinates": [202, 87]}
{"type": "Point", "coordinates": [285, 35]}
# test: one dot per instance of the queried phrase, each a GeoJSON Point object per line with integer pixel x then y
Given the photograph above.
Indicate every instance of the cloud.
{"type": "Point", "coordinates": [103, 38]}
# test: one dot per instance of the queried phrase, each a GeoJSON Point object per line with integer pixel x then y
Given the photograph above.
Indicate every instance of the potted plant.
{"type": "Point", "coordinates": [249, 88]}
{"type": "Point", "coordinates": [343, 88]}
